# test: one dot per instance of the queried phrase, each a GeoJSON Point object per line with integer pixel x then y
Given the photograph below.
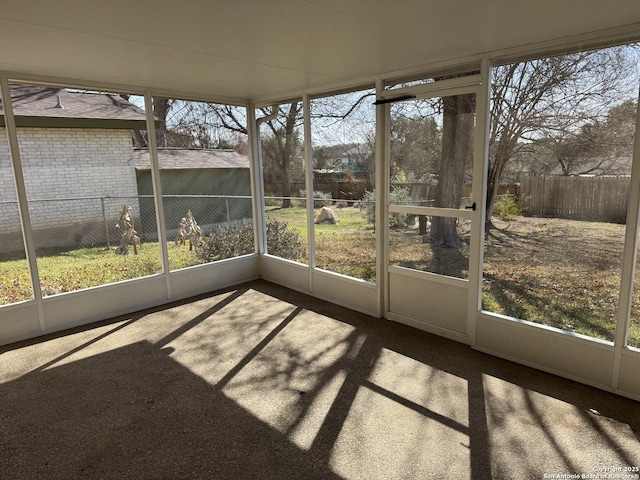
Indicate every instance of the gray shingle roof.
{"type": "Point", "coordinates": [187, 158]}
{"type": "Point", "coordinates": [51, 107]}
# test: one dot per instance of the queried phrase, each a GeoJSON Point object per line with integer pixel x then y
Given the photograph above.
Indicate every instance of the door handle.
{"type": "Point", "coordinates": [471, 207]}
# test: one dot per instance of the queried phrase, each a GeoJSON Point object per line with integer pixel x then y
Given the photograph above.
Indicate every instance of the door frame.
{"type": "Point", "coordinates": [479, 84]}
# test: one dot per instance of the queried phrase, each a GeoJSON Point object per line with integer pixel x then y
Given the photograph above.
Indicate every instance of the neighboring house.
{"type": "Point", "coordinates": [342, 162]}
{"type": "Point", "coordinates": [214, 184]}
{"type": "Point", "coordinates": [74, 148]}
{"type": "Point", "coordinates": [354, 160]}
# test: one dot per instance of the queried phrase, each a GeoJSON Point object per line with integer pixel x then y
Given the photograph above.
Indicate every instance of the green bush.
{"type": "Point", "coordinates": [230, 240]}
{"type": "Point", "coordinates": [236, 238]}
{"type": "Point", "coordinates": [284, 242]}
{"type": "Point", "coordinates": [508, 207]}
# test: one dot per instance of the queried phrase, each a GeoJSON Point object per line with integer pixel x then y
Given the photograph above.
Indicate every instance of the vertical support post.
{"type": "Point", "coordinates": [21, 192]}
{"type": "Point", "coordinates": [628, 260]}
{"type": "Point", "coordinates": [479, 196]}
{"type": "Point", "coordinates": [308, 176]}
{"type": "Point", "coordinates": [381, 202]}
{"type": "Point", "coordinates": [257, 186]}
{"type": "Point", "coordinates": [157, 190]}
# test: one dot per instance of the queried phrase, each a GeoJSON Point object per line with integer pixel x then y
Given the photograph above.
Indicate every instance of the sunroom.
{"type": "Point", "coordinates": [480, 160]}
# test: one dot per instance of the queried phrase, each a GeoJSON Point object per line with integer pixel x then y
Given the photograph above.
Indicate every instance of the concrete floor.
{"type": "Point", "coordinates": [260, 382]}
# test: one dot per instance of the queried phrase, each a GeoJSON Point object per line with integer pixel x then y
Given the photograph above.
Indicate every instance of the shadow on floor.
{"type": "Point", "coordinates": [261, 382]}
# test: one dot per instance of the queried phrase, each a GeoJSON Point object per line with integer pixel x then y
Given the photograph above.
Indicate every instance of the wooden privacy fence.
{"type": "Point", "coordinates": [602, 199]}
{"type": "Point", "coordinates": [599, 199]}
{"type": "Point", "coordinates": [338, 190]}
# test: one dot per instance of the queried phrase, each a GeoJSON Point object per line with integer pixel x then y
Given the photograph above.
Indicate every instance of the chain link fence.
{"type": "Point", "coordinates": [210, 211]}
{"type": "Point", "coordinates": [88, 222]}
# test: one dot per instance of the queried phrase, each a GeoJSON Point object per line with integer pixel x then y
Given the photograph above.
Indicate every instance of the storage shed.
{"type": "Point", "coordinates": [214, 184]}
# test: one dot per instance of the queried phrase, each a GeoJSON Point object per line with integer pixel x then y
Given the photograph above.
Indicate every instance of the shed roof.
{"type": "Point", "coordinates": [36, 106]}
{"type": "Point", "coordinates": [190, 158]}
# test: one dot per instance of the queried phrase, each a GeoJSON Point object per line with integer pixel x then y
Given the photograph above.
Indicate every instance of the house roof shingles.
{"type": "Point", "coordinates": [188, 158]}
{"type": "Point", "coordinates": [35, 106]}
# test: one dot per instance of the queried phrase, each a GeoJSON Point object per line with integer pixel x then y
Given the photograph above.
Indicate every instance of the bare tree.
{"type": "Point", "coordinates": [161, 108]}
{"type": "Point", "coordinates": [284, 145]}
{"type": "Point", "coordinates": [208, 125]}
{"type": "Point", "coordinates": [597, 148]}
{"type": "Point", "coordinates": [280, 145]}
{"type": "Point", "coordinates": [534, 98]}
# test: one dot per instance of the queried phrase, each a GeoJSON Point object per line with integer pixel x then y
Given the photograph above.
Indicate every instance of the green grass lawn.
{"type": "Point", "coordinates": [81, 268]}
{"type": "Point", "coordinates": [296, 219]}
{"type": "Point", "coordinates": [86, 267]}
{"type": "Point", "coordinates": [347, 248]}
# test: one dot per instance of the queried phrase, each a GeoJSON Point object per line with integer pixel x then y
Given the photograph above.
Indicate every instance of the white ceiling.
{"type": "Point", "coordinates": [256, 49]}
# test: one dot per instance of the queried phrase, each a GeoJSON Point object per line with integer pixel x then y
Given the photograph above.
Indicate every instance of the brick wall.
{"type": "Point", "coordinates": [66, 171]}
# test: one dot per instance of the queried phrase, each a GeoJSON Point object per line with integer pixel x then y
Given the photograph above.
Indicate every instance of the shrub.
{"type": "Point", "coordinates": [367, 206]}
{"type": "Point", "coordinates": [272, 201]}
{"type": "Point", "coordinates": [230, 240]}
{"type": "Point", "coordinates": [236, 238]}
{"type": "Point", "coordinates": [508, 207]}
{"type": "Point", "coordinates": [398, 196]}
{"type": "Point", "coordinates": [283, 242]}
{"type": "Point", "coordinates": [321, 199]}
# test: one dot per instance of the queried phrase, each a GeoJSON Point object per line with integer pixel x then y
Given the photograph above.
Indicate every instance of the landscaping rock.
{"type": "Point", "coordinates": [326, 215]}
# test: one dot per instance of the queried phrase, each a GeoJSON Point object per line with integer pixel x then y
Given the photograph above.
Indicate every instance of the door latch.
{"type": "Point", "coordinates": [471, 207]}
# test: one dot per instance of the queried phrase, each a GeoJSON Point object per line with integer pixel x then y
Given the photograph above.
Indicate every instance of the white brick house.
{"type": "Point", "coordinates": [76, 150]}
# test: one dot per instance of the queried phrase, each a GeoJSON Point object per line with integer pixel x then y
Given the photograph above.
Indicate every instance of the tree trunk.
{"type": "Point", "coordinates": [286, 184]}
{"type": "Point", "coordinates": [457, 153]}
{"type": "Point", "coordinates": [161, 107]}
{"type": "Point", "coordinates": [288, 152]}
{"type": "Point", "coordinates": [504, 152]}
{"type": "Point", "coordinates": [493, 184]}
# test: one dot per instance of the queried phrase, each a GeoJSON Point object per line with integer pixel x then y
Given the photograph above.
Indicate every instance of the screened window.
{"type": "Point", "coordinates": [15, 283]}
{"type": "Point", "coordinates": [205, 179]}
{"type": "Point", "coordinates": [561, 144]}
{"type": "Point", "coordinates": [283, 166]}
{"type": "Point", "coordinates": [76, 148]}
{"type": "Point", "coordinates": [343, 137]}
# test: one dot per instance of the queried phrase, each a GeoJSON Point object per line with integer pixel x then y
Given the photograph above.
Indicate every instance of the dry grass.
{"type": "Point", "coordinates": [562, 273]}
{"type": "Point", "coordinates": [411, 250]}
{"type": "Point", "coordinates": [350, 253]}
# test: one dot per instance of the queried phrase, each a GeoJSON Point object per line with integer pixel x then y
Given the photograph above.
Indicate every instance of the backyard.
{"type": "Point", "coordinates": [348, 248]}
{"type": "Point", "coordinates": [66, 271]}
{"type": "Point", "coordinates": [562, 273]}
